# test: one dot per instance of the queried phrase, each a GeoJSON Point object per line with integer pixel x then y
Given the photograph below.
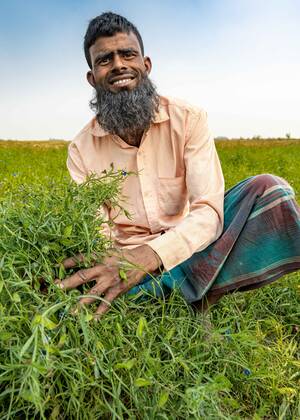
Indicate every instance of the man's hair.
{"type": "Point", "coordinates": [108, 24]}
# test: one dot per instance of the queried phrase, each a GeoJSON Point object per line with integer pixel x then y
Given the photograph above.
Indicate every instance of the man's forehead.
{"type": "Point", "coordinates": [105, 44]}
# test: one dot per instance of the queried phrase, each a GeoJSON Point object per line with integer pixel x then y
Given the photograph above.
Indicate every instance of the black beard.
{"type": "Point", "coordinates": [128, 111]}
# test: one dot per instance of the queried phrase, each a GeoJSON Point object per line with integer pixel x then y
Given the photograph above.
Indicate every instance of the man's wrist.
{"type": "Point", "coordinates": [156, 261]}
{"type": "Point", "coordinates": [145, 257]}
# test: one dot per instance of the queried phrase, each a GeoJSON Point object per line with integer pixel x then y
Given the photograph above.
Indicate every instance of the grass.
{"type": "Point", "coordinates": [147, 360]}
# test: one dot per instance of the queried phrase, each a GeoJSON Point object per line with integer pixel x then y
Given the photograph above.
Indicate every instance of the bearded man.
{"type": "Point", "coordinates": [182, 225]}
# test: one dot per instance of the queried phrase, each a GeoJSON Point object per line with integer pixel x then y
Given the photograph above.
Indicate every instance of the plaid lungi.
{"type": "Point", "coordinates": [260, 243]}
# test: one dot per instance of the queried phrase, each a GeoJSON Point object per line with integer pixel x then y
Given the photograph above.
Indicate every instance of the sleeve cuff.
{"type": "Point", "coordinates": [171, 249]}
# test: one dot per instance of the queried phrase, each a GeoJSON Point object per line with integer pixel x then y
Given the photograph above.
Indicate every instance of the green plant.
{"type": "Point", "coordinates": [151, 359]}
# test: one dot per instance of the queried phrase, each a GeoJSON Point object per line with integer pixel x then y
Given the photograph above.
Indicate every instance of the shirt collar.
{"type": "Point", "coordinates": [160, 116]}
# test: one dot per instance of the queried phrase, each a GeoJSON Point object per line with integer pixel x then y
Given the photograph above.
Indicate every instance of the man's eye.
{"type": "Point", "coordinates": [104, 61]}
{"type": "Point", "coordinates": [128, 54]}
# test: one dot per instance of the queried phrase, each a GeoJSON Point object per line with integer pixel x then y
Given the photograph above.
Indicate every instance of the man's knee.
{"type": "Point", "coordinates": [265, 181]}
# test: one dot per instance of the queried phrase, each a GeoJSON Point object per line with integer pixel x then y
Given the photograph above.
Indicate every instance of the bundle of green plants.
{"type": "Point", "coordinates": [39, 228]}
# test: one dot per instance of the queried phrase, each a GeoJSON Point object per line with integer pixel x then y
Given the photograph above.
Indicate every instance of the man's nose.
{"type": "Point", "coordinates": [117, 63]}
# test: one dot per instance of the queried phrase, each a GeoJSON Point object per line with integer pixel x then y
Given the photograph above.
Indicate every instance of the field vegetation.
{"type": "Point", "coordinates": [153, 359]}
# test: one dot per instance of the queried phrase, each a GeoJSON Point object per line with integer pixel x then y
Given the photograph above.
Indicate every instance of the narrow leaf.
{"type": "Point", "coordinates": [164, 396]}
{"type": "Point", "coordinates": [123, 275]}
{"type": "Point", "coordinates": [141, 326]}
{"type": "Point", "coordinates": [26, 346]}
{"type": "Point", "coordinates": [139, 382]}
{"type": "Point", "coordinates": [126, 365]}
{"type": "Point", "coordinates": [67, 231]}
{"type": "Point", "coordinates": [16, 298]}
{"type": "Point", "coordinates": [61, 272]}
{"type": "Point", "coordinates": [170, 333]}
{"type": "Point", "coordinates": [47, 323]}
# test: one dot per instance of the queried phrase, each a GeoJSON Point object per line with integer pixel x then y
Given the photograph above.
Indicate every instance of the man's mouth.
{"type": "Point", "coordinates": [124, 81]}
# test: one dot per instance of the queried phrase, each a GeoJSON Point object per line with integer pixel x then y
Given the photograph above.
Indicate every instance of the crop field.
{"type": "Point", "coordinates": [145, 359]}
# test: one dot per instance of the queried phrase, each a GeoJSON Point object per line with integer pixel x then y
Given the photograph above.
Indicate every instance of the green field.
{"type": "Point", "coordinates": [147, 360]}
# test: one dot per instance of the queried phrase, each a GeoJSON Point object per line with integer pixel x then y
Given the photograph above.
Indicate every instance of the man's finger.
{"type": "Point", "coordinates": [80, 277]}
{"type": "Point", "coordinates": [78, 259]}
{"type": "Point", "coordinates": [111, 295]}
{"type": "Point", "coordinates": [73, 261]}
{"type": "Point", "coordinates": [97, 290]}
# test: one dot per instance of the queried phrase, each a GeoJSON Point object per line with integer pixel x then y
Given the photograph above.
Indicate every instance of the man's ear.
{"type": "Point", "coordinates": [148, 64]}
{"type": "Point", "coordinates": [90, 78]}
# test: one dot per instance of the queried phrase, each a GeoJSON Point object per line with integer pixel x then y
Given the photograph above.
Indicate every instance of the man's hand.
{"type": "Point", "coordinates": [137, 262]}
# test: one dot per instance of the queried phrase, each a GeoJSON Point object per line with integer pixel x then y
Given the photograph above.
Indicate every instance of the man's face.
{"type": "Point", "coordinates": [117, 63]}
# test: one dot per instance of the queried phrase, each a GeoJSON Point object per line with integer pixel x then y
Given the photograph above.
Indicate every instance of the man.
{"type": "Point", "coordinates": [176, 198]}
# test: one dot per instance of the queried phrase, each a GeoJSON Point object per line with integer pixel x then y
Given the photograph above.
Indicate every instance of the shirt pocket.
{"type": "Point", "coordinates": [172, 195]}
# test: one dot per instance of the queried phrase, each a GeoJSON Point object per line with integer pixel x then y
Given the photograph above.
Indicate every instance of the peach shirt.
{"type": "Point", "coordinates": [176, 199]}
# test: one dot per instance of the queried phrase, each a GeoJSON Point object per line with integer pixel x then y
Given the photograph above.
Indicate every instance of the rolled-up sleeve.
{"type": "Point", "coordinates": [205, 186]}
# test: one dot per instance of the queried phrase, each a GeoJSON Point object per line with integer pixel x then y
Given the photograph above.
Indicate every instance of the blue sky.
{"type": "Point", "coordinates": [238, 59]}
